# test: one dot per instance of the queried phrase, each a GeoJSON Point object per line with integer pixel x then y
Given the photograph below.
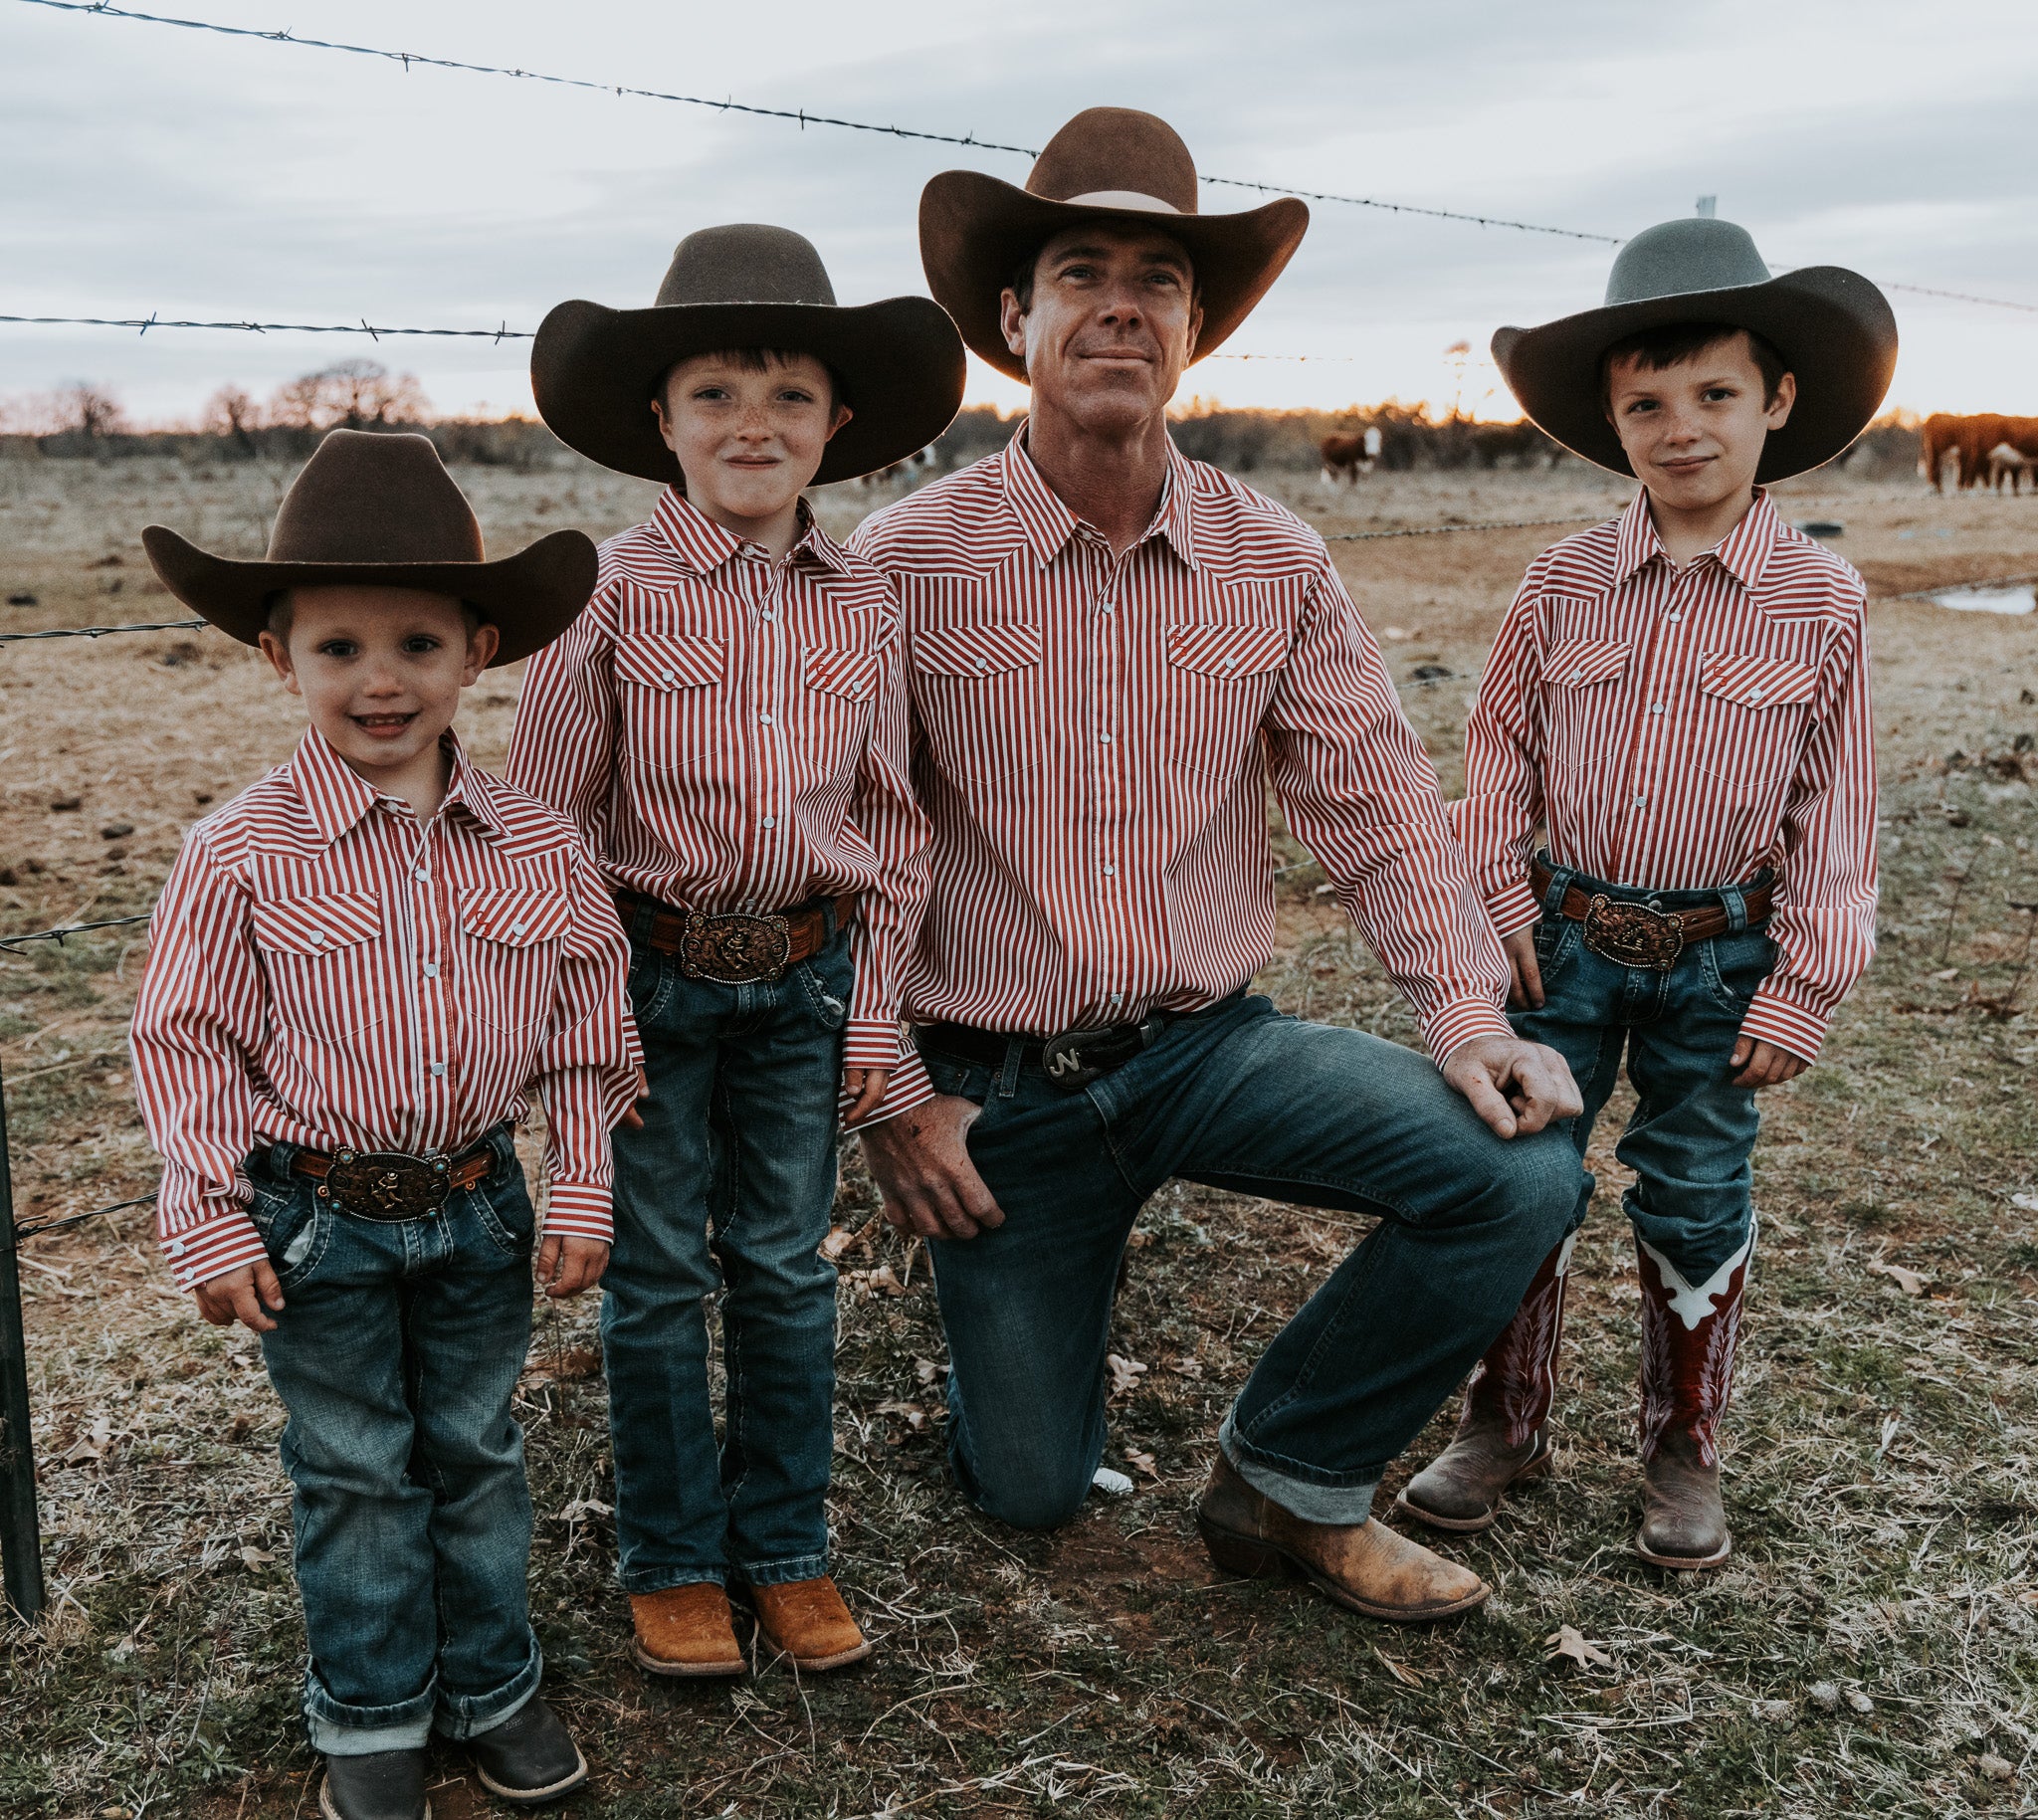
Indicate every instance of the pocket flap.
{"type": "Point", "coordinates": [851, 675]}
{"type": "Point", "coordinates": [1757, 682]}
{"type": "Point", "coordinates": [515, 917]}
{"type": "Point", "coordinates": [661, 660]}
{"type": "Point", "coordinates": [1578, 663]}
{"type": "Point", "coordinates": [1219, 647]}
{"type": "Point", "coordinates": [317, 926]}
{"type": "Point", "coordinates": [981, 648]}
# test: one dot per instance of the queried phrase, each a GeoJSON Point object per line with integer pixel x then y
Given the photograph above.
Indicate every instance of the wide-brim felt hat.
{"type": "Point", "coordinates": [381, 509]}
{"type": "Point", "coordinates": [899, 362]}
{"type": "Point", "coordinates": [1107, 165]}
{"type": "Point", "coordinates": [1833, 328]}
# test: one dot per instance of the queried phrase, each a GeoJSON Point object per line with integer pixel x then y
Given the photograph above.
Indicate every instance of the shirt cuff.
{"type": "Point", "coordinates": [1453, 1025]}
{"type": "Point", "coordinates": [1514, 908]}
{"type": "Point", "coordinates": [870, 1043]}
{"type": "Point", "coordinates": [198, 1253]}
{"type": "Point", "coordinates": [909, 1087]}
{"type": "Point", "coordinates": [1775, 1017]}
{"type": "Point", "coordinates": [579, 1210]}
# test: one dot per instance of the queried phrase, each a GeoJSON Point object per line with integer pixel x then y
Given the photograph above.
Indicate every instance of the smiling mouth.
{"type": "Point", "coordinates": [383, 726]}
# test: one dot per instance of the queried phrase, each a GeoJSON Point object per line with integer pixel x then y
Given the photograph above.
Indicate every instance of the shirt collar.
{"type": "Point", "coordinates": [1047, 523]}
{"type": "Point", "coordinates": [703, 545]}
{"type": "Point", "coordinates": [1743, 552]}
{"type": "Point", "coordinates": [336, 797]}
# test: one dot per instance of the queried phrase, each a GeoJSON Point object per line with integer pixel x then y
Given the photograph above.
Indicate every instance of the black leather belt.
{"type": "Point", "coordinates": [1071, 1059]}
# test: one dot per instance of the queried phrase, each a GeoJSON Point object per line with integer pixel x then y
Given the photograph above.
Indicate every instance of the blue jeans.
{"type": "Point", "coordinates": [728, 1187]}
{"type": "Point", "coordinates": [1242, 1099]}
{"type": "Point", "coordinates": [1693, 1130]}
{"type": "Point", "coordinates": [396, 1355]}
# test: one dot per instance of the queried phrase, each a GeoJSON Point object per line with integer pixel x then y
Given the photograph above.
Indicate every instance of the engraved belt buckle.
{"type": "Point", "coordinates": [1061, 1056]}
{"type": "Point", "coordinates": [1633, 935]}
{"type": "Point", "coordinates": [387, 1185]}
{"type": "Point", "coordinates": [737, 950]}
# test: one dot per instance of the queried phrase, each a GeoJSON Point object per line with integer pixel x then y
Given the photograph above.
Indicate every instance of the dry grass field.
{"type": "Point", "coordinates": [1871, 1648]}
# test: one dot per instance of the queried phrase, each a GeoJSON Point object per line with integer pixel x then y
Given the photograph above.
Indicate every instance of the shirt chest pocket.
{"type": "Point", "coordinates": [510, 953]}
{"type": "Point", "coordinates": [978, 689]}
{"type": "Point", "coordinates": [1220, 674]}
{"type": "Point", "coordinates": [1751, 717]}
{"type": "Point", "coordinates": [1582, 689]}
{"type": "Point", "coordinates": [838, 686]}
{"type": "Point", "coordinates": [326, 962]}
{"type": "Point", "coordinates": [671, 690]}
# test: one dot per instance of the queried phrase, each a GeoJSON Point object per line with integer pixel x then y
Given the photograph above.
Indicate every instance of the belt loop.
{"type": "Point", "coordinates": [1008, 1074]}
{"type": "Point", "coordinates": [1561, 877]}
{"type": "Point", "coordinates": [1735, 901]}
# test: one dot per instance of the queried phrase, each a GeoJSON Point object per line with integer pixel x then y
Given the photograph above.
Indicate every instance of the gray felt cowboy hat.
{"type": "Point", "coordinates": [1833, 328]}
{"type": "Point", "coordinates": [594, 369]}
{"type": "Point", "coordinates": [1107, 165]}
{"type": "Point", "coordinates": [381, 509]}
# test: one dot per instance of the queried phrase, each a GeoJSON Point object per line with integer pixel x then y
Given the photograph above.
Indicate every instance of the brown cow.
{"type": "Point", "coordinates": [1346, 457]}
{"type": "Point", "coordinates": [2016, 450]}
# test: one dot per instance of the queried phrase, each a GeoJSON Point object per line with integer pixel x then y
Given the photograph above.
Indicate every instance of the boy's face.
{"type": "Point", "coordinates": [1695, 431]}
{"type": "Point", "coordinates": [381, 668]}
{"type": "Point", "coordinates": [748, 442]}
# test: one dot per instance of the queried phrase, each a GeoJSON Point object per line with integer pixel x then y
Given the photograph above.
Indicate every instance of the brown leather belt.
{"type": "Point", "coordinates": [733, 947]}
{"type": "Point", "coordinates": [393, 1184]}
{"type": "Point", "coordinates": [1635, 935]}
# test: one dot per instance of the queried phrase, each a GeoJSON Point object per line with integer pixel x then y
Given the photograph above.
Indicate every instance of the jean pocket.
{"type": "Point", "coordinates": [1734, 967]}
{"type": "Point", "coordinates": [1557, 939]}
{"type": "Point", "coordinates": [506, 1214]}
{"type": "Point", "coordinates": [295, 1229]}
{"type": "Point", "coordinates": [650, 981]}
{"type": "Point", "coordinates": [957, 1080]}
{"type": "Point", "coordinates": [827, 982]}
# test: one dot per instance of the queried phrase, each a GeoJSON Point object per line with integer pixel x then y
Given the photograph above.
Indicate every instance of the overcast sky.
{"type": "Point", "coordinates": [148, 169]}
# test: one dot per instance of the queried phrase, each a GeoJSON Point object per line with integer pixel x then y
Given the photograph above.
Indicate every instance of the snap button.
{"type": "Point", "coordinates": [1228, 662]}
{"type": "Point", "coordinates": [1753, 695]}
{"type": "Point", "coordinates": [983, 663]}
{"type": "Point", "coordinates": [517, 929]}
{"type": "Point", "coordinates": [317, 935]}
{"type": "Point", "coordinates": [665, 676]}
{"type": "Point", "coordinates": [1577, 673]}
{"type": "Point", "coordinates": [176, 1248]}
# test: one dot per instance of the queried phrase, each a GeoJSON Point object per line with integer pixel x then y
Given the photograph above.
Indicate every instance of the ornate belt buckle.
{"type": "Point", "coordinates": [1061, 1056]}
{"type": "Point", "coordinates": [1633, 935]}
{"type": "Point", "coordinates": [387, 1185]}
{"type": "Point", "coordinates": [737, 950]}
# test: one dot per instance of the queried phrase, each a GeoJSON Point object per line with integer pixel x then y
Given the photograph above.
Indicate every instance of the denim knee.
{"type": "Point", "coordinates": [1544, 1177]}
{"type": "Point", "coordinates": [1026, 1493]}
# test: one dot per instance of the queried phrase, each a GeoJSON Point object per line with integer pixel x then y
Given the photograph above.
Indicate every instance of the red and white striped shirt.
{"type": "Point", "coordinates": [325, 969]}
{"type": "Point", "coordinates": [729, 735]}
{"type": "Point", "coordinates": [1094, 737]}
{"type": "Point", "coordinates": [1678, 729]}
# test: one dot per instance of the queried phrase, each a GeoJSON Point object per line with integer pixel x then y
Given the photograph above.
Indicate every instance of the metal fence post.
{"type": "Point", "coordinates": [21, 1535]}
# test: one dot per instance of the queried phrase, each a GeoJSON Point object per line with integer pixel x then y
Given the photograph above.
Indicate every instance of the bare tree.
{"type": "Point", "coordinates": [90, 410]}
{"type": "Point", "coordinates": [231, 412]}
{"type": "Point", "coordinates": [349, 394]}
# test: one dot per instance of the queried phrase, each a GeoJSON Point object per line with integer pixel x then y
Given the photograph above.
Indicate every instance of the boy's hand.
{"type": "Point", "coordinates": [633, 1118]}
{"type": "Point", "coordinates": [1525, 978]}
{"type": "Point", "coordinates": [567, 1265]}
{"type": "Point", "coordinates": [246, 1295]}
{"type": "Point", "coordinates": [1518, 1087]}
{"type": "Point", "coordinates": [1760, 1063]}
{"type": "Point", "coordinates": [866, 1088]}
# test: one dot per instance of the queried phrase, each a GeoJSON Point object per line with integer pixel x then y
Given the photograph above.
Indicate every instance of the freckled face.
{"type": "Point", "coordinates": [748, 442]}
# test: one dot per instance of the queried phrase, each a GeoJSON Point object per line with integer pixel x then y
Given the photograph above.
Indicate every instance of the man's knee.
{"type": "Point", "coordinates": [1025, 1487]}
{"type": "Point", "coordinates": [1541, 1180]}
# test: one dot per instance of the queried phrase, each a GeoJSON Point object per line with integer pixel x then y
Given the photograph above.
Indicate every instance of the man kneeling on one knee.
{"type": "Point", "coordinates": [1110, 649]}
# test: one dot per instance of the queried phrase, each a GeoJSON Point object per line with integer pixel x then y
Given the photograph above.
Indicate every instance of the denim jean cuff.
{"type": "Point", "coordinates": [464, 1715]}
{"type": "Point", "coordinates": [664, 1580]}
{"type": "Point", "coordinates": [337, 1729]}
{"type": "Point", "coordinates": [784, 1573]}
{"type": "Point", "coordinates": [1314, 1501]}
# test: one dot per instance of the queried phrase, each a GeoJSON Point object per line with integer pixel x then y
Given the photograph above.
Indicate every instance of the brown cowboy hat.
{"type": "Point", "coordinates": [1107, 165]}
{"type": "Point", "coordinates": [381, 509]}
{"type": "Point", "coordinates": [594, 369]}
{"type": "Point", "coordinates": [1833, 328]}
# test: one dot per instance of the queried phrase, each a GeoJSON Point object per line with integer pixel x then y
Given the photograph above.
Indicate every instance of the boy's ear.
{"type": "Point", "coordinates": [842, 416]}
{"type": "Point", "coordinates": [278, 655]}
{"type": "Point", "coordinates": [1778, 412]}
{"type": "Point", "coordinates": [481, 645]}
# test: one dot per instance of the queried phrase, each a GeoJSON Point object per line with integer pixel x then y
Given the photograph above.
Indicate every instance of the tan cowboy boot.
{"type": "Point", "coordinates": [1364, 1566]}
{"type": "Point", "coordinates": [1688, 1342]}
{"type": "Point", "coordinates": [1503, 1428]}
{"type": "Point", "coordinates": [684, 1631]}
{"type": "Point", "coordinates": [807, 1621]}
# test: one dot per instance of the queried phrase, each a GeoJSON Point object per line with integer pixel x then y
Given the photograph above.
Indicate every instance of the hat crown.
{"type": "Point", "coordinates": [368, 497]}
{"type": "Point", "coordinates": [745, 263]}
{"type": "Point", "coordinates": [1694, 253]}
{"type": "Point", "coordinates": [1118, 152]}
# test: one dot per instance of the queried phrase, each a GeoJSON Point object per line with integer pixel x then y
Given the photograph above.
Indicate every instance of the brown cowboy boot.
{"type": "Point", "coordinates": [1503, 1428]}
{"type": "Point", "coordinates": [1364, 1566]}
{"type": "Point", "coordinates": [684, 1631]}
{"type": "Point", "coordinates": [1688, 1342]}
{"type": "Point", "coordinates": [808, 1621]}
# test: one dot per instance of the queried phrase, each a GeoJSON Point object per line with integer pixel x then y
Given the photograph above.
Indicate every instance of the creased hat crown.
{"type": "Point", "coordinates": [1690, 254]}
{"type": "Point", "coordinates": [368, 497]}
{"type": "Point", "coordinates": [1118, 154]}
{"type": "Point", "coordinates": [745, 263]}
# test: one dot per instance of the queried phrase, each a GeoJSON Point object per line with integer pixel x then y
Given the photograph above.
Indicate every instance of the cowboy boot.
{"type": "Point", "coordinates": [1688, 1342]}
{"type": "Point", "coordinates": [1503, 1428]}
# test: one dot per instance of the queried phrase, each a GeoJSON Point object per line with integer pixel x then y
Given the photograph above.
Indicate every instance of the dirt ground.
{"type": "Point", "coordinates": [1871, 1648]}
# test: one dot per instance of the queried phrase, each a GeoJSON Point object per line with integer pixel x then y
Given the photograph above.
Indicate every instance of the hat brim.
{"type": "Point", "coordinates": [529, 598]}
{"type": "Point", "coordinates": [593, 371]}
{"type": "Point", "coordinates": [1834, 328]}
{"type": "Point", "coordinates": [975, 229]}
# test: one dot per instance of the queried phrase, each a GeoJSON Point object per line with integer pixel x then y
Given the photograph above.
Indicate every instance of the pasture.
{"type": "Point", "coordinates": [1872, 1647]}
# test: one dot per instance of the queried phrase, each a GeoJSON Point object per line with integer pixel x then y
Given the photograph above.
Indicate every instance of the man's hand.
{"type": "Point", "coordinates": [866, 1089]}
{"type": "Point", "coordinates": [1525, 976]}
{"type": "Point", "coordinates": [921, 1162]}
{"type": "Point", "coordinates": [1759, 1064]}
{"type": "Point", "coordinates": [633, 1118]}
{"type": "Point", "coordinates": [1515, 1087]}
{"type": "Point", "coordinates": [246, 1295]}
{"type": "Point", "coordinates": [568, 1264]}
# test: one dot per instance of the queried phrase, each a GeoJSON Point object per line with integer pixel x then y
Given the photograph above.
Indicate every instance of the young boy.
{"type": "Point", "coordinates": [361, 969]}
{"type": "Point", "coordinates": [1680, 697]}
{"type": "Point", "coordinates": [728, 725]}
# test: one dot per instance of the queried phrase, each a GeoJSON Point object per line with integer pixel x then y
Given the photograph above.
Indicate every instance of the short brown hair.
{"type": "Point", "coordinates": [1673, 343]}
{"type": "Point", "coordinates": [755, 360]}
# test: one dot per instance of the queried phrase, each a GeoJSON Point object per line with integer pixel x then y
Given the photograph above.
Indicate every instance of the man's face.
{"type": "Point", "coordinates": [381, 668]}
{"type": "Point", "coordinates": [1695, 431]}
{"type": "Point", "coordinates": [747, 441]}
{"type": "Point", "coordinates": [1112, 323]}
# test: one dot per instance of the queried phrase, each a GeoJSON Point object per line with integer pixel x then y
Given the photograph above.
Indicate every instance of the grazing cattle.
{"type": "Point", "coordinates": [2015, 454]}
{"type": "Point", "coordinates": [1972, 442]}
{"type": "Point", "coordinates": [1937, 437]}
{"type": "Point", "coordinates": [1346, 457]}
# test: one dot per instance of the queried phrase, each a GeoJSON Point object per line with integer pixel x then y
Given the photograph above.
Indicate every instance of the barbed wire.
{"type": "Point", "coordinates": [36, 1228]}
{"type": "Point", "coordinates": [1446, 530]}
{"type": "Point", "coordinates": [374, 331]}
{"type": "Point", "coordinates": [151, 625]}
{"type": "Point", "coordinates": [62, 929]}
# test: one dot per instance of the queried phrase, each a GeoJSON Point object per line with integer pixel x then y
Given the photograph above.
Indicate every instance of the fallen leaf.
{"type": "Point", "coordinates": [1995, 1769]}
{"type": "Point", "coordinates": [1141, 1463]}
{"type": "Point", "coordinates": [92, 1444]}
{"type": "Point", "coordinates": [884, 1280]}
{"type": "Point", "coordinates": [1859, 1700]}
{"type": "Point", "coordinates": [1126, 1373]}
{"type": "Point", "coordinates": [1569, 1643]}
{"type": "Point", "coordinates": [574, 1363]}
{"type": "Point", "coordinates": [581, 1509]}
{"type": "Point", "coordinates": [1909, 1280]}
{"type": "Point", "coordinates": [911, 1414]}
{"type": "Point", "coordinates": [1401, 1672]}
{"type": "Point", "coordinates": [251, 1557]}
{"type": "Point", "coordinates": [838, 1241]}
{"type": "Point", "coordinates": [1946, 973]}
{"type": "Point", "coordinates": [928, 1370]}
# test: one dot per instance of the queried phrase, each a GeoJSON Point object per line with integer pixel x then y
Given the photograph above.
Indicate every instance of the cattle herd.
{"type": "Point", "coordinates": [1986, 450]}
